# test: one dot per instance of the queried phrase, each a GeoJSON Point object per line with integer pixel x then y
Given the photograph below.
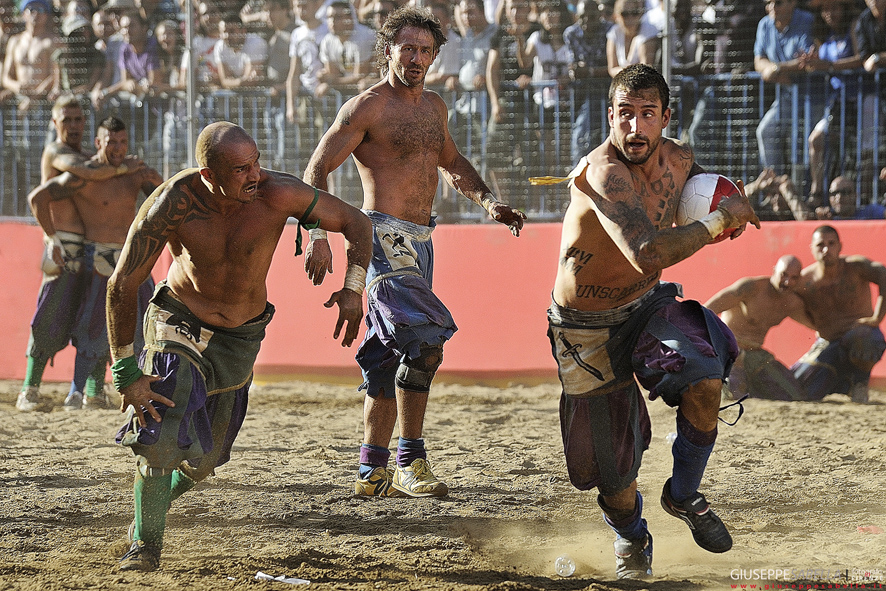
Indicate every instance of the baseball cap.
{"type": "Point", "coordinates": [41, 5]}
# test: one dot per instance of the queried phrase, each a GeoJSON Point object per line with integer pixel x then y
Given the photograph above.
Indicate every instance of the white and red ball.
{"type": "Point", "coordinates": [701, 195]}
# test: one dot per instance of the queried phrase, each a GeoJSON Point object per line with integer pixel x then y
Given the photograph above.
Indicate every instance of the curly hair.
{"type": "Point", "coordinates": [399, 19]}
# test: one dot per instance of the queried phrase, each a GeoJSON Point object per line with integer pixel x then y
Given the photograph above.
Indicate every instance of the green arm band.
{"type": "Point", "coordinates": [301, 224]}
{"type": "Point", "coordinates": [125, 372]}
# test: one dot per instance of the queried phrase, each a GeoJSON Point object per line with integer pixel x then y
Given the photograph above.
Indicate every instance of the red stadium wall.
{"type": "Point", "coordinates": [496, 286]}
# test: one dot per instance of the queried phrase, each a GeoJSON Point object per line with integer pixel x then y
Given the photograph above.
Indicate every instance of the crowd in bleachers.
{"type": "Point", "coordinates": [772, 92]}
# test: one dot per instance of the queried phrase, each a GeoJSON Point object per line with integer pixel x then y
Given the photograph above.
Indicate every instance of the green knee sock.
{"type": "Point", "coordinates": [181, 483]}
{"type": "Point", "coordinates": [95, 383]}
{"type": "Point", "coordinates": [34, 373]}
{"type": "Point", "coordinates": [152, 495]}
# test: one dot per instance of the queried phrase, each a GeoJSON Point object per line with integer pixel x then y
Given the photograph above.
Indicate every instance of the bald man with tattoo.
{"type": "Point", "coordinates": [397, 133]}
{"type": "Point", "coordinates": [611, 316]}
{"type": "Point", "coordinates": [187, 395]}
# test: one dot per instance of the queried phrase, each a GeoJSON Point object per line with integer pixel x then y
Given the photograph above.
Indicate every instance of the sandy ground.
{"type": "Point", "coordinates": [794, 482]}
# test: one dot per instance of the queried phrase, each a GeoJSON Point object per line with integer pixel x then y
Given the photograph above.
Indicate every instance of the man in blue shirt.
{"type": "Point", "coordinates": [844, 204]}
{"type": "Point", "coordinates": [782, 46]}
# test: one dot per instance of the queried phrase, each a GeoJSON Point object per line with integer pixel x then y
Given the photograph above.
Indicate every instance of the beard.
{"type": "Point", "coordinates": [634, 158]}
{"type": "Point", "coordinates": [402, 75]}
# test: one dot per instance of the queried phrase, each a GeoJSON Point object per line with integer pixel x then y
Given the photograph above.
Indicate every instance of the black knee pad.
{"type": "Point", "coordinates": [417, 374]}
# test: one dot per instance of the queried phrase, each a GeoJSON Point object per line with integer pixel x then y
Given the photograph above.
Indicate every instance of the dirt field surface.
{"type": "Point", "coordinates": [801, 486]}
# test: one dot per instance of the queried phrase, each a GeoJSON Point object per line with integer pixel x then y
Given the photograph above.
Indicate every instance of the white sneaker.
{"type": "Point", "coordinates": [417, 480]}
{"type": "Point", "coordinates": [28, 399]}
{"type": "Point", "coordinates": [74, 401]}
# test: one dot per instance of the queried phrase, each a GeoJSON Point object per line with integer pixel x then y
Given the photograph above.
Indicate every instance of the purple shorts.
{"type": "Point", "coordinates": [664, 344]}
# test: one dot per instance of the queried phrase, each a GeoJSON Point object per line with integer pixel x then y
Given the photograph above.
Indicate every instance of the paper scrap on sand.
{"type": "Point", "coordinates": [281, 579]}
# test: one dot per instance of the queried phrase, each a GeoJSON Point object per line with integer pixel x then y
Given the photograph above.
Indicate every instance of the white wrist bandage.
{"type": "Point", "coordinates": [715, 222]}
{"type": "Point", "coordinates": [488, 201]}
{"type": "Point", "coordinates": [317, 234]}
{"type": "Point", "coordinates": [123, 352]}
{"type": "Point", "coordinates": [355, 278]}
{"type": "Point", "coordinates": [53, 242]}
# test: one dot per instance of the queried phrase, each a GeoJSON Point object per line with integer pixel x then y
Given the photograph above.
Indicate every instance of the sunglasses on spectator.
{"type": "Point", "coordinates": [633, 13]}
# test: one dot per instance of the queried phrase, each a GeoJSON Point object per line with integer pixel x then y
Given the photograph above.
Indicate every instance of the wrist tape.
{"type": "Point", "coordinates": [124, 351]}
{"type": "Point", "coordinates": [488, 201]}
{"type": "Point", "coordinates": [317, 234]}
{"type": "Point", "coordinates": [52, 242]}
{"type": "Point", "coordinates": [715, 222]}
{"type": "Point", "coordinates": [355, 278]}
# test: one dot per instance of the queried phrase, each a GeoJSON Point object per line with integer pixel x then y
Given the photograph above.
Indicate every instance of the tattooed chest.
{"type": "Point", "coordinates": [661, 197]}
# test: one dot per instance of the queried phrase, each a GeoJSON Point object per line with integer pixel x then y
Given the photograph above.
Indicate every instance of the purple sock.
{"type": "Point", "coordinates": [691, 451]}
{"type": "Point", "coordinates": [409, 450]}
{"type": "Point", "coordinates": [371, 457]}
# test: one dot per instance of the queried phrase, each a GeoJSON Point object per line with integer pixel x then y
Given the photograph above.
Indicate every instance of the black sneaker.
{"type": "Point", "coordinates": [633, 558]}
{"type": "Point", "coordinates": [141, 556]}
{"type": "Point", "coordinates": [707, 529]}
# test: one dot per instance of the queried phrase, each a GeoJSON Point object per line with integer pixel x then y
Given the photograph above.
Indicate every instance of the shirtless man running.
{"type": "Point", "coordinates": [836, 290]}
{"type": "Point", "coordinates": [397, 133]}
{"type": "Point", "coordinates": [610, 316]}
{"type": "Point", "coordinates": [204, 327]}
{"type": "Point", "coordinates": [106, 208]}
{"type": "Point", "coordinates": [750, 307]}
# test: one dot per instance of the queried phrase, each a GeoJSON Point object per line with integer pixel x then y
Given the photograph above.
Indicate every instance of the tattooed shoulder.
{"type": "Point", "coordinates": [615, 185]}
{"type": "Point", "coordinates": [175, 205]}
{"type": "Point", "coordinates": [344, 116]}
{"type": "Point", "coordinates": [685, 157]}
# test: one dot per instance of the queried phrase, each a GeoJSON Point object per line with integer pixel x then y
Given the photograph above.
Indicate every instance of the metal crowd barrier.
{"type": "Point", "coordinates": [543, 131]}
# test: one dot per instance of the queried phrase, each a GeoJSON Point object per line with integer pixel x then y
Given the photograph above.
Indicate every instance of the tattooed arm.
{"type": "Point", "coordinates": [65, 159]}
{"type": "Point", "coordinates": [158, 218]}
{"type": "Point", "coordinates": [156, 222]}
{"type": "Point", "coordinates": [638, 214]}
{"type": "Point", "coordinates": [622, 211]}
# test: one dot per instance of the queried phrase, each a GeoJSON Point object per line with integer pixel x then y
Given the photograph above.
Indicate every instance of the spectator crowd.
{"type": "Point", "coordinates": [525, 79]}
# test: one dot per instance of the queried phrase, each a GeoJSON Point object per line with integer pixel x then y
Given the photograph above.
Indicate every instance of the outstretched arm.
{"type": "Point", "coordinates": [67, 160]}
{"type": "Point", "coordinates": [730, 297]}
{"type": "Point", "coordinates": [464, 178]}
